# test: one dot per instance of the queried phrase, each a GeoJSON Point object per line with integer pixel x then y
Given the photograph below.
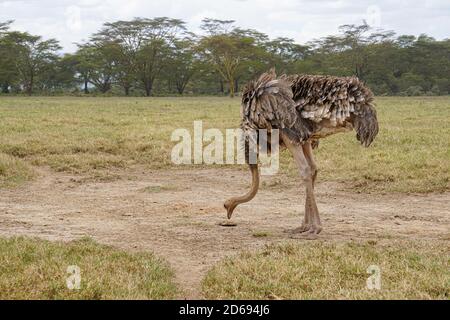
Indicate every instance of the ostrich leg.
{"type": "Point", "coordinates": [311, 222]}
{"type": "Point", "coordinates": [308, 151]}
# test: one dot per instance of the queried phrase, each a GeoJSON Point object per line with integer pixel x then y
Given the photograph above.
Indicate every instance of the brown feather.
{"type": "Point", "coordinates": [342, 101]}
{"type": "Point", "coordinates": [274, 108]}
{"type": "Point", "coordinates": [308, 107]}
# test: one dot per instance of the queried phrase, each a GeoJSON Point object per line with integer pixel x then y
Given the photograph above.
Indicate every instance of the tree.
{"type": "Point", "coordinates": [4, 27]}
{"type": "Point", "coordinates": [32, 56]}
{"type": "Point", "coordinates": [160, 36]}
{"type": "Point", "coordinates": [129, 38]}
{"type": "Point", "coordinates": [62, 75]}
{"type": "Point", "coordinates": [227, 51]}
{"type": "Point", "coordinates": [159, 54]}
{"type": "Point", "coordinates": [285, 53]}
{"type": "Point", "coordinates": [82, 67]}
{"type": "Point", "coordinates": [182, 63]}
{"type": "Point", "coordinates": [96, 65]}
{"type": "Point", "coordinates": [7, 56]}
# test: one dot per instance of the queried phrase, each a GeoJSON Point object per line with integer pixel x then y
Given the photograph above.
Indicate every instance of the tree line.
{"type": "Point", "coordinates": [160, 56]}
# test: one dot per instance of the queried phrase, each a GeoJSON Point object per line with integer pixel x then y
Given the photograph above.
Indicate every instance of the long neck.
{"type": "Point", "coordinates": [254, 188]}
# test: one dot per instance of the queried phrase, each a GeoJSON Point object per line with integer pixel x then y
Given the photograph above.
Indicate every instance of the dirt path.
{"type": "Point", "coordinates": [176, 214]}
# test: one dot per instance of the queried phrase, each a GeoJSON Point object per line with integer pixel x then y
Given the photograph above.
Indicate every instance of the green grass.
{"type": "Point", "coordinates": [322, 270]}
{"type": "Point", "coordinates": [97, 136]}
{"type": "Point", "coordinates": [37, 269]}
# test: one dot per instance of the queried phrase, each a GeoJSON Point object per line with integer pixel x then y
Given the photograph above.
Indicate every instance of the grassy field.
{"type": "Point", "coordinates": [99, 138]}
{"type": "Point", "coordinates": [37, 269]}
{"type": "Point", "coordinates": [333, 271]}
{"type": "Point", "coordinates": [95, 136]}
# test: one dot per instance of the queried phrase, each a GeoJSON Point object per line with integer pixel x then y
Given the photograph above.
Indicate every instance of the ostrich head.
{"type": "Point", "coordinates": [230, 205]}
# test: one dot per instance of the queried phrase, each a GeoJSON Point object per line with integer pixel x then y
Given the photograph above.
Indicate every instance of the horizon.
{"type": "Point", "coordinates": [74, 21]}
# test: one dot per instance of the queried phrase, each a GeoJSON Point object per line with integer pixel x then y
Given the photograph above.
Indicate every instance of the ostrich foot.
{"type": "Point", "coordinates": [313, 229]}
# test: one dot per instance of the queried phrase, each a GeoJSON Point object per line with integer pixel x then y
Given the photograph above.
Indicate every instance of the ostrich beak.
{"type": "Point", "coordinates": [229, 209]}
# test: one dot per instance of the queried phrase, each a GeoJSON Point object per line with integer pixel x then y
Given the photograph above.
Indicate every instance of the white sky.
{"type": "Point", "coordinates": [72, 21]}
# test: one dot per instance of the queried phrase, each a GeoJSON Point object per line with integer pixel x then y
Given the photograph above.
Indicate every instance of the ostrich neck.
{"type": "Point", "coordinates": [254, 188]}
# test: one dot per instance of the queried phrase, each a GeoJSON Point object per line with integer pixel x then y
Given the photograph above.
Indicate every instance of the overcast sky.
{"type": "Point", "coordinates": [72, 21]}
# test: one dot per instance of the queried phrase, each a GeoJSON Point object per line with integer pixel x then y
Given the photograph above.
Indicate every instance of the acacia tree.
{"type": "Point", "coordinates": [127, 52]}
{"type": "Point", "coordinates": [128, 37]}
{"type": "Point", "coordinates": [136, 53]}
{"type": "Point", "coordinates": [82, 67]}
{"type": "Point", "coordinates": [32, 57]}
{"type": "Point", "coordinates": [284, 53]}
{"type": "Point", "coordinates": [227, 51]}
{"type": "Point", "coordinates": [7, 65]}
{"type": "Point", "coordinates": [96, 64]}
{"type": "Point", "coordinates": [353, 42]}
{"type": "Point", "coordinates": [160, 35]}
{"type": "Point", "coordinates": [60, 75]}
{"type": "Point", "coordinates": [4, 26]}
{"type": "Point", "coordinates": [350, 52]}
{"type": "Point", "coordinates": [182, 63]}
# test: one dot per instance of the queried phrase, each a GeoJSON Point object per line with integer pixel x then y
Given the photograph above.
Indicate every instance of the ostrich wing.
{"type": "Point", "coordinates": [329, 98]}
{"type": "Point", "coordinates": [340, 101]}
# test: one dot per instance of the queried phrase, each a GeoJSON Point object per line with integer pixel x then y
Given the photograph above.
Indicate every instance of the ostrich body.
{"type": "Point", "coordinates": [305, 109]}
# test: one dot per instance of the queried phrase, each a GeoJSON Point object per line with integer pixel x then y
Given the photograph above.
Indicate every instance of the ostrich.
{"type": "Point", "coordinates": [304, 109]}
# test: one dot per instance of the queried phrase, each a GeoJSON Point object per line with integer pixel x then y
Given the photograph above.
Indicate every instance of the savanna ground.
{"type": "Point", "coordinates": [72, 168]}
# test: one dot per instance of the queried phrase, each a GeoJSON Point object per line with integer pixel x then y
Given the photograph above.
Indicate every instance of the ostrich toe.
{"type": "Point", "coordinates": [307, 228]}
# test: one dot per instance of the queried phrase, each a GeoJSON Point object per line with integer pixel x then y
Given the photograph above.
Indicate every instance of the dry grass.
{"type": "Point", "coordinates": [98, 136]}
{"type": "Point", "coordinates": [410, 154]}
{"type": "Point", "coordinates": [13, 171]}
{"type": "Point", "coordinates": [333, 271]}
{"type": "Point", "coordinates": [37, 269]}
{"type": "Point", "coordinates": [261, 234]}
{"type": "Point", "coordinates": [161, 188]}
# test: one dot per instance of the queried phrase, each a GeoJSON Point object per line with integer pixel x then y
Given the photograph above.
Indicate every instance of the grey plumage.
{"type": "Point", "coordinates": [307, 107]}
{"type": "Point", "coordinates": [343, 101]}
{"type": "Point", "coordinates": [267, 103]}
